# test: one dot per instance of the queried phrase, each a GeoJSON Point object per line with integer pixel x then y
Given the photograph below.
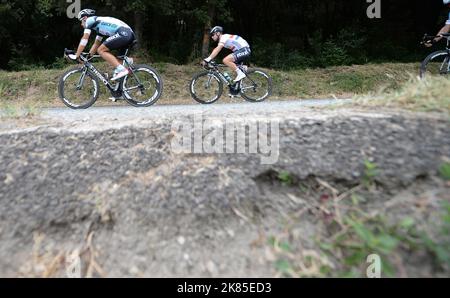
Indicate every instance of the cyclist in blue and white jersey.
{"type": "Point", "coordinates": [118, 36]}
{"type": "Point", "coordinates": [239, 46]}
{"type": "Point", "coordinates": [445, 29]}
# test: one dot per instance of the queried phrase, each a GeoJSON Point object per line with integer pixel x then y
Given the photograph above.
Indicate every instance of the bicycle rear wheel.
{"type": "Point", "coordinates": [436, 64]}
{"type": "Point", "coordinates": [206, 87]}
{"type": "Point", "coordinates": [78, 89]}
{"type": "Point", "coordinates": [143, 87]}
{"type": "Point", "coordinates": [257, 86]}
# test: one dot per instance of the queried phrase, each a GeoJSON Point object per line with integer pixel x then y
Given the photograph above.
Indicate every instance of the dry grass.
{"type": "Point", "coordinates": [47, 261]}
{"type": "Point", "coordinates": [430, 95]}
{"type": "Point", "coordinates": [39, 87]}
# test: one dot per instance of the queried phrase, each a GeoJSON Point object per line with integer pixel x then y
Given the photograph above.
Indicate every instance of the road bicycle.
{"type": "Point", "coordinates": [437, 63]}
{"type": "Point", "coordinates": [79, 87]}
{"type": "Point", "coordinates": [207, 86]}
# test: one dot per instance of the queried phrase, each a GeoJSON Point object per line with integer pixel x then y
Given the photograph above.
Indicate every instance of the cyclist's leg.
{"type": "Point", "coordinates": [236, 58]}
{"type": "Point", "coordinates": [105, 52]}
{"type": "Point", "coordinates": [229, 61]}
{"type": "Point", "coordinates": [122, 39]}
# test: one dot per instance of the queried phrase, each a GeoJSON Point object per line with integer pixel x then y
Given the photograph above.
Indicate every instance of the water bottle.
{"type": "Point", "coordinates": [227, 77]}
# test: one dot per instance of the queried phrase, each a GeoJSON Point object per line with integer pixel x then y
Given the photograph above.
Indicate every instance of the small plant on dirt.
{"type": "Point", "coordinates": [370, 173]}
{"type": "Point", "coordinates": [444, 171]}
{"type": "Point", "coordinates": [295, 264]}
{"type": "Point", "coordinates": [282, 264]}
{"type": "Point", "coordinates": [441, 251]}
{"type": "Point", "coordinates": [286, 178]}
{"type": "Point", "coordinates": [361, 239]}
{"type": "Point", "coordinates": [364, 235]}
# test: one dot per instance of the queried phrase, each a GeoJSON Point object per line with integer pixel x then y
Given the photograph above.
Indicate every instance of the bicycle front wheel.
{"type": "Point", "coordinates": [436, 64]}
{"type": "Point", "coordinates": [143, 87]}
{"type": "Point", "coordinates": [206, 87]}
{"type": "Point", "coordinates": [256, 86]}
{"type": "Point", "coordinates": [78, 89]}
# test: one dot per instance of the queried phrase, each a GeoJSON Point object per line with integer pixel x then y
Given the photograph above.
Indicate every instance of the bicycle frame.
{"type": "Point", "coordinates": [236, 87]}
{"type": "Point", "coordinates": [116, 90]}
{"type": "Point", "coordinates": [447, 47]}
{"type": "Point", "coordinates": [217, 72]}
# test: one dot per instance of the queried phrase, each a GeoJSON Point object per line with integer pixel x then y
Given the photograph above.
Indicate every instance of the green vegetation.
{"type": "Point", "coordinates": [444, 171]}
{"type": "Point", "coordinates": [344, 254]}
{"type": "Point", "coordinates": [348, 229]}
{"type": "Point", "coordinates": [370, 172]}
{"type": "Point", "coordinates": [286, 178]}
{"type": "Point", "coordinates": [285, 35]}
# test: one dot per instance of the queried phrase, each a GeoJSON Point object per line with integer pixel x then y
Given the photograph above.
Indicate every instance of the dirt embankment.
{"type": "Point", "coordinates": [123, 201]}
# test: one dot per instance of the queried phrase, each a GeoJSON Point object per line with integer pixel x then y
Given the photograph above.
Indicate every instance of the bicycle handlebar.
{"type": "Point", "coordinates": [430, 38]}
{"type": "Point", "coordinates": [213, 65]}
{"type": "Point", "coordinates": [84, 56]}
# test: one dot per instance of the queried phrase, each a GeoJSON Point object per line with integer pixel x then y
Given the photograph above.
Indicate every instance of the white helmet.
{"type": "Point", "coordinates": [220, 29]}
{"type": "Point", "coordinates": [88, 13]}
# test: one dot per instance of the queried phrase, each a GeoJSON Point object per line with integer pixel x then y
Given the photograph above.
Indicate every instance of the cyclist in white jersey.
{"type": "Point", "coordinates": [445, 29]}
{"type": "Point", "coordinates": [239, 46]}
{"type": "Point", "coordinates": [118, 36]}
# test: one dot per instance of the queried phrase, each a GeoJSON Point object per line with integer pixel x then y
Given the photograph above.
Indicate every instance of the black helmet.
{"type": "Point", "coordinates": [86, 13]}
{"type": "Point", "coordinates": [215, 30]}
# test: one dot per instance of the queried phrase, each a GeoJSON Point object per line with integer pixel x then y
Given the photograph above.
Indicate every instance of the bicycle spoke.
{"type": "Point", "coordinates": [206, 88]}
{"type": "Point", "coordinates": [437, 64]}
{"type": "Point", "coordinates": [257, 86]}
{"type": "Point", "coordinates": [142, 88]}
{"type": "Point", "coordinates": [77, 89]}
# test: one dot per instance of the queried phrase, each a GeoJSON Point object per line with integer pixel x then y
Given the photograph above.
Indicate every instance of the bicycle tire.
{"type": "Point", "coordinates": [196, 96]}
{"type": "Point", "coordinates": [424, 67]}
{"type": "Point", "coordinates": [64, 97]}
{"type": "Point", "coordinates": [159, 86]}
{"type": "Point", "coordinates": [251, 74]}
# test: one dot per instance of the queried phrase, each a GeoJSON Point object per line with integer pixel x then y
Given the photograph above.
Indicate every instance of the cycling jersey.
{"type": "Point", "coordinates": [105, 26]}
{"type": "Point", "coordinates": [233, 42]}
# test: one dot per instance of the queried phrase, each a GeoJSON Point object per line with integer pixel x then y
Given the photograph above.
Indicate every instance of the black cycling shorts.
{"type": "Point", "coordinates": [121, 40]}
{"type": "Point", "coordinates": [241, 55]}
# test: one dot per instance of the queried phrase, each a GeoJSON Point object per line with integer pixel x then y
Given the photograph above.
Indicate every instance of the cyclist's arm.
{"type": "Point", "coordinates": [96, 45]}
{"type": "Point", "coordinates": [214, 53]}
{"type": "Point", "coordinates": [83, 43]}
{"type": "Point", "coordinates": [445, 29]}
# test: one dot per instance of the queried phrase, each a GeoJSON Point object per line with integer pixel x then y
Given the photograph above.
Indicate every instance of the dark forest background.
{"type": "Point", "coordinates": [284, 34]}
